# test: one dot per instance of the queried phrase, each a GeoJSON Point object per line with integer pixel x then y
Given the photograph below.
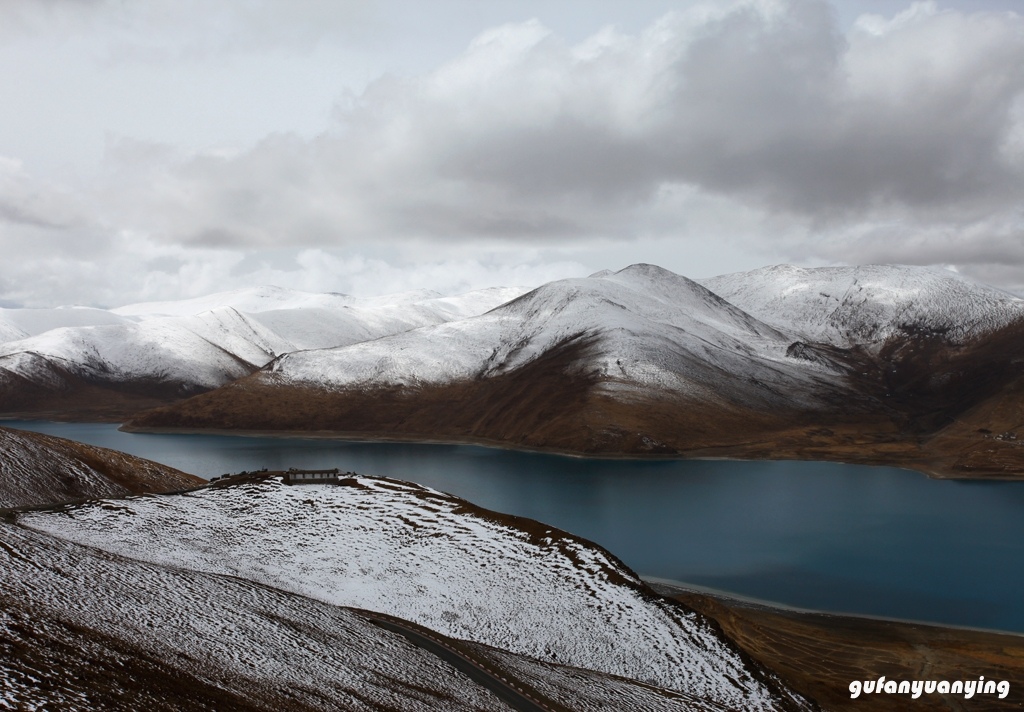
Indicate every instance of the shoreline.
{"type": "Point", "coordinates": [819, 654]}
{"type": "Point", "coordinates": [671, 588]}
{"type": "Point", "coordinates": [752, 451]}
{"type": "Point", "coordinates": [380, 437]}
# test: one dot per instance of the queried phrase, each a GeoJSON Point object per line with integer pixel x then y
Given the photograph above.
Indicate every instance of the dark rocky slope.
{"type": "Point", "coordinates": [38, 469]}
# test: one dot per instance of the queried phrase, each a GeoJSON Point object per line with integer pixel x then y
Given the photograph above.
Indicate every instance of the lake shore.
{"type": "Point", "coordinates": [819, 654]}
{"type": "Point", "coordinates": [753, 451]}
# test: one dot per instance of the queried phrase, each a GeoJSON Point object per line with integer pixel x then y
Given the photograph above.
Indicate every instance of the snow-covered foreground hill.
{"type": "Point", "coordinates": [430, 558]}
{"type": "Point", "coordinates": [51, 358]}
{"type": "Point", "coordinates": [38, 469]}
{"type": "Point", "coordinates": [84, 630]}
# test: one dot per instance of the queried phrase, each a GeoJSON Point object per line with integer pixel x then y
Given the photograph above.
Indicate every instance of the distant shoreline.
{"type": "Point", "coordinates": [673, 589]}
{"type": "Point", "coordinates": [819, 654]}
{"type": "Point", "coordinates": [918, 467]}
{"type": "Point", "coordinates": [380, 437]}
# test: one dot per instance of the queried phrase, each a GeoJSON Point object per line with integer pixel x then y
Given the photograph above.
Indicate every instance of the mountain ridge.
{"type": "Point", "coordinates": [37, 469]}
{"type": "Point", "coordinates": [643, 361]}
{"type": "Point", "coordinates": [406, 550]}
{"type": "Point", "coordinates": [115, 363]}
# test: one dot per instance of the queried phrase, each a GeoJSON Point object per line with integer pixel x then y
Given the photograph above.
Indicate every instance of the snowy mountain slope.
{"type": "Point", "coordinates": [250, 301]}
{"type": "Point", "coordinates": [21, 323]}
{"type": "Point", "coordinates": [166, 350]}
{"type": "Point", "coordinates": [186, 353]}
{"type": "Point", "coordinates": [10, 332]}
{"type": "Point", "coordinates": [318, 327]}
{"type": "Point", "coordinates": [650, 328]}
{"type": "Point", "coordinates": [428, 557]}
{"type": "Point", "coordinates": [869, 304]}
{"type": "Point", "coordinates": [255, 300]}
{"type": "Point", "coordinates": [40, 469]}
{"type": "Point", "coordinates": [84, 630]}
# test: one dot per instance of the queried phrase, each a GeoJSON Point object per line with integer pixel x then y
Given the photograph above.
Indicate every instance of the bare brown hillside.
{"type": "Point", "coordinates": [951, 410]}
{"type": "Point", "coordinates": [38, 469]}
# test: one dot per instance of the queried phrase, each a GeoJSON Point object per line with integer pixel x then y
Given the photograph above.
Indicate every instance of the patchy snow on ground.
{"type": "Point", "coordinates": [585, 691]}
{"type": "Point", "coordinates": [424, 556]}
{"type": "Point", "coordinates": [33, 472]}
{"type": "Point", "coordinates": [37, 469]}
{"type": "Point", "coordinates": [64, 605]}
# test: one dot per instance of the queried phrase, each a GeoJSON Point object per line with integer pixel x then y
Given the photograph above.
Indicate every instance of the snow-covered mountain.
{"type": "Point", "coordinates": [866, 364]}
{"type": "Point", "coordinates": [646, 327]}
{"type": "Point", "coordinates": [56, 359]}
{"type": "Point", "coordinates": [191, 353]}
{"type": "Point", "coordinates": [10, 332]}
{"type": "Point", "coordinates": [870, 304]}
{"type": "Point", "coordinates": [567, 365]}
{"type": "Point", "coordinates": [421, 555]}
{"type": "Point", "coordinates": [315, 326]}
{"type": "Point", "coordinates": [38, 469]}
{"type": "Point", "coordinates": [21, 323]}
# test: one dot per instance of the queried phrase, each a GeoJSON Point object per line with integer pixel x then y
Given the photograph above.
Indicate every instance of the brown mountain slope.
{"type": "Point", "coordinates": [550, 403]}
{"type": "Point", "coordinates": [916, 401]}
{"type": "Point", "coordinates": [819, 654]}
{"type": "Point", "coordinates": [56, 392]}
{"type": "Point", "coordinates": [38, 469]}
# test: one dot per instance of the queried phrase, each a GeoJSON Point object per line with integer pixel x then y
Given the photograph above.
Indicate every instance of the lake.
{"type": "Point", "coordinates": [877, 541]}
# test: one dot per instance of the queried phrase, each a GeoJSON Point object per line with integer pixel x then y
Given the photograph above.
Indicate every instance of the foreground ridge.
{"type": "Point", "coordinates": [416, 554]}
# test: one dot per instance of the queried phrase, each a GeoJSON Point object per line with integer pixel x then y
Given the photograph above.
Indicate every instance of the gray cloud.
{"type": "Point", "coordinates": [162, 30]}
{"type": "Point", "coordinates": [28, 202]}
{"type": "Point", "coordinates": [525, 136]}
{"type": "Point", "coordinates": [760, 125]}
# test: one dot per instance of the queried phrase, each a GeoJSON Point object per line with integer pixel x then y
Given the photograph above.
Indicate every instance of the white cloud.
{"type": "Point", "coordinates": [161, 30]}
{"type": "Point", "coordinates": [759, 125]}
{"type": "Point", "coordinates": [526, 137]}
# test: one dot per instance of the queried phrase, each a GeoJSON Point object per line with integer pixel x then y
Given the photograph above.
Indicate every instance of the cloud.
{"type": "Point", "coordinates": [526, 137]}
{"type": "Point", "coordinates": [165, 30]}
{"type": "Point", "coordinates": [758, 124]}
{"type": "Point", "coordinates": [28, 202]}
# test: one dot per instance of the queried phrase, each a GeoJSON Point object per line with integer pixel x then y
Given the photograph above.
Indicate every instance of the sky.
{"type": "Point", "coordinates": [172, 148]}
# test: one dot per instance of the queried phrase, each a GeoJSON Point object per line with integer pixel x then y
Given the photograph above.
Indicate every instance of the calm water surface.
{"type": "Point", "coordinates": [870, 540]}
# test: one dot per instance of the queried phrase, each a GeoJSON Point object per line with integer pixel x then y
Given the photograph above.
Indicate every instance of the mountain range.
{"type": "Point", "coordinates": [107, 364]}
{"type": "Point", "coordinates": [877, 364]}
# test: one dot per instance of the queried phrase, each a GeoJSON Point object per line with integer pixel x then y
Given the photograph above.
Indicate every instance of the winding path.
{"type": "Point", "coordinates": [515, 693]}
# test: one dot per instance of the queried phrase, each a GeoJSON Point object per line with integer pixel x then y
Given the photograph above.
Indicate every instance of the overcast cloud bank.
{"type": "Point", "coordinates": [761, 125]}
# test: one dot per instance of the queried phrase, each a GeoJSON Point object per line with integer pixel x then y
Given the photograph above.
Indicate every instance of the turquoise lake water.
{"type": "Point", "coordinates": [847, 538]}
